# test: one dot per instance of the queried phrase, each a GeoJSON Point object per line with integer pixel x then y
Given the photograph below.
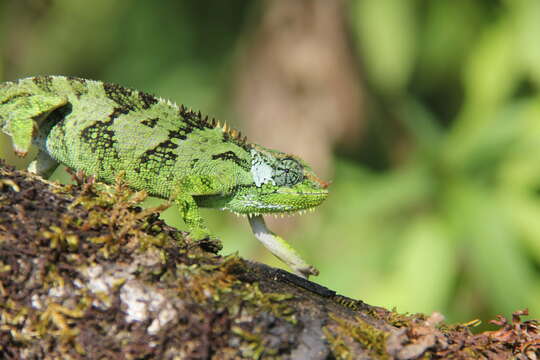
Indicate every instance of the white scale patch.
{"type": "Point", "coordinates": [260, 170]}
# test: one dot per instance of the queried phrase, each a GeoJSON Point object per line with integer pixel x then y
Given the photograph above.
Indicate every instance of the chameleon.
{"type": "Point", "coordinates": [167, 150]}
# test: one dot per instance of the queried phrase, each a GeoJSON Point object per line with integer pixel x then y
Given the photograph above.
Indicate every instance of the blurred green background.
{"type": "Point", "coordinates": [424, 114]}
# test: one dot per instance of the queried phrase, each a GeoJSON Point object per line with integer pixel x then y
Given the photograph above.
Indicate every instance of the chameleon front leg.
{"type": "Point", "coordinates": [192, 217]}
{"type": "Point", "coordinates": [188, 187]}
{"type": "Point", "coordinates": [280, 248]}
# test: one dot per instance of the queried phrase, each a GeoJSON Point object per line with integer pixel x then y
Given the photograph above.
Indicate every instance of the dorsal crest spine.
{"type": "Point", "coordinates": [232, 133]}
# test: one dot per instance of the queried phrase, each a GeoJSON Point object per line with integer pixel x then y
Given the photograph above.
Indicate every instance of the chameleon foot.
{"type": "Point", "coordinates": [280, 248]}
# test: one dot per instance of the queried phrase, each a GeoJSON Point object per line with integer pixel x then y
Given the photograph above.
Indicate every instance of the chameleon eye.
{"type": "Point", "coordinates": [288, 172]}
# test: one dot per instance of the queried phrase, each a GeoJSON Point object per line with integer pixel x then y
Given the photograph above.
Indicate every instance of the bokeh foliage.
{"type": "Point", "coordinates": [438, 208]}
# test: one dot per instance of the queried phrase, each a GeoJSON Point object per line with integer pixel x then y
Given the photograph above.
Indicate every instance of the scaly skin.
{"type": "Point", "coordinates": [165, 149]}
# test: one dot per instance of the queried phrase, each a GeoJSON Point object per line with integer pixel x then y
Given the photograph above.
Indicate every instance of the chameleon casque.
{"type": "Point", "coordinates": [167, 150]}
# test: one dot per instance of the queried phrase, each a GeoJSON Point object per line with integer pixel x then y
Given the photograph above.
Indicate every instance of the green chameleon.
{"type": "Point", "coordinates": [167, 150]}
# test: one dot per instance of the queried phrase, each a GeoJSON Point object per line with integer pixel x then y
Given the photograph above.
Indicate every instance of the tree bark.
{"type": "Point", "coordinates": [86, 273]}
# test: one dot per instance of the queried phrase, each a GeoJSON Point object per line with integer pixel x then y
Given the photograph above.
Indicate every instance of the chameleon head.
{"type": "Point", "coordinates": [281, 183]}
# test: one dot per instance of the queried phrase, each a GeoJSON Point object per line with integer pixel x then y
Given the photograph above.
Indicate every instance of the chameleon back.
{"type": "Point", "coordinates": [104, 129]}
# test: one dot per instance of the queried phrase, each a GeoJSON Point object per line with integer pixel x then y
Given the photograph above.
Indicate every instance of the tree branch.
{"type": "Point", "coordinates": [86, 273]}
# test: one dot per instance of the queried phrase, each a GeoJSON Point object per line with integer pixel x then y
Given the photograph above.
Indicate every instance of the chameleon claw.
{"type": "Point", "coordinates": [20, 153]}
{"type": "Point", "coordinates": [306, 272]}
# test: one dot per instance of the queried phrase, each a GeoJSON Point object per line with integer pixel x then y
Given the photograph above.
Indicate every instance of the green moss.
{"type": "Point", "coordinates": [337, 345]}
{"type": "Point", "coordinates": [402, 320]}
{"type": "Point", "coordinates": [369, 338]}
{"type": "Point", "coordinates": [253, 347]}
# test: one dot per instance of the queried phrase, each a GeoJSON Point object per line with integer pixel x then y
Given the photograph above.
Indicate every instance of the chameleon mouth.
{"type": "Point", "coordinates": [278, 204]}
{"type": "Point", "coordinates": [280, 214]}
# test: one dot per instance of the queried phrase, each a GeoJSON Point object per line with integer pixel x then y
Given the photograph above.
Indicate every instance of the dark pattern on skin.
{"type": "Point", "coordinates": [230, 155]}
{"type": "Point", "coordinates": [117, 111]}
{"type": "Point", "coordinates": [16, 96]}
{"type": "Point", "coordinates": [43, 82]}
{"type": "Point", "coordinates": [154, 161]}
{"type": "Point", "coordinates": [78, 85]}
{"type": "Point", "coordinates": [147, 100]}
{"type": "Point", "coordinates": [151, 123]}
{"type": "Point", "coordinates": [193, 120]}
{"type": "Point", "coordinates": [100, 138]}
{"type": "Point", "coordinates": [180, 134]}
{"type": "Point", "coordinates": [226, 137]}
{"type": "Point", "coordinates": [185, 127]}
{"type": "Point", "coordinates": [74, 79]}
{"type": "Point", "coordinates": [120, 95]}
{"type": "Point", "coordinates": [193, 162]}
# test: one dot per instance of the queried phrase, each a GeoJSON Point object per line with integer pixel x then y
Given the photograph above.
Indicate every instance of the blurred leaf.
{"type": "Point", "coordinates": [519, 172]}
{"type": "Point", "coordinates": [525, 17]}
{"type": "Point", "coordinates": [447, 36]}
{"type": "Point", "coordinates": [519, 178]}
{"type": "Point", "coordinates": [422, 275]}
{"type": "Point", "coordinates": [491, 73]}
{"type": "Point", "coordinates": [479, 149]}
{"type": "Point", "coordinates": [73, 37]}
{"type": "Point", "coordinates": [501, 274]}
{"type": "Point", "coordinates": [386, 31]}
{"type": "Point", "coordinates": [524, 214]}
{"type": "Point", "coordinates": [422, 125]}
{"type": "Point", "coordinates": [388, 194]}
{"type": "Point", "coordinates": [502, 270]}
{"type": "Point", "coordinates": [361, 224]}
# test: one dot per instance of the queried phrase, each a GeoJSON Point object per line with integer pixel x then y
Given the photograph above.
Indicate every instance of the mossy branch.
{"type": "Point", "coordinates": [86, 273]}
